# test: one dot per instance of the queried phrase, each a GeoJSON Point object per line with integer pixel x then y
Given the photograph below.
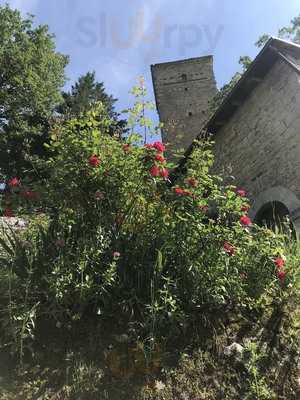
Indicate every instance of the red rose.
{"type": "Point", "coordinates": [241, 193]}
{"type": "Point", "coordinates": [164, 173]}
{"type": "Point", "coordinates": [246, 221]}
{"type": "Point", "coordinates": [281, 275]}
{"type": "Point", "coordinates": [228, 248]}
{"type": "Point", "coordinates": [182, 192]}
{"type": "Point", "coordinates": [154, 171]}
{"type": "Point", "coordinates": [8, 213]}
{"type": "Point", "coordinates": [94, 161]}
{"type": "Point", "coordinates": [245, 208]}
{"type": "Point", "coordinates": [126, 147]}
{"type": "Point", "coordinates": [279, 262]}
{"type": "Point", "coordinates": [14, 182]}
{"type": "Point", "coordinates": [160, 147]}
{"type": "Point", "coordinates": [116, 255]}
{"type": "Point", "coordinates": [192, 182]}
{"type": "Point", "coordinates": [160, 158]}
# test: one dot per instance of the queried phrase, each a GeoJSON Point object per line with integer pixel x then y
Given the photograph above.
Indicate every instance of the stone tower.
{"type": "Point", "coordinates": [182, 91]}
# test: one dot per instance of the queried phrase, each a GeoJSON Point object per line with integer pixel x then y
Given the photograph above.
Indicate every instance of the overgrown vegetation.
{"type": "Point", "coordinates": [119, 271]}
{"type": "Point", "coordinates": [117, 283]}
{"type": "Point", "coordinates": [31, 96]}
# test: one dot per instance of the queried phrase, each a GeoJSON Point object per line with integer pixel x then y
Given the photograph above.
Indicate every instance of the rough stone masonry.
{"type": "Point", "coordinates": [256, 129]}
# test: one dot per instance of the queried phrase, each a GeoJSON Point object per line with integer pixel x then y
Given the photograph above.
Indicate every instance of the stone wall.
{"type": "Point", "coordinates": [260, 144]}
{"type": "Point", "coordinates": [183, 90]}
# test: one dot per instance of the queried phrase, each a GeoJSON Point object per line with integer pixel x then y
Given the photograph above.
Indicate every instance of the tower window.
{"type": "Point", "coordinates": [190, 113]}
{"type": "Point", "coordinates": [184, 77]}
{"type": "Point", "coordinates": [186, 89]}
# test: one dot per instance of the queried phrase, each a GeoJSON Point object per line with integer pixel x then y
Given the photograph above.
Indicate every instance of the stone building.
{"type": "Point", "coordinates": [256, 129]}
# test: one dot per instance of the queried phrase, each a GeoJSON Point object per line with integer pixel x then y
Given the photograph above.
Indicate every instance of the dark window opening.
{"type": "Point", "coordinates": [190, 113]}
{"type": "Point", "coordinates": [186, 89]}
{"type": "Point", "coordinates": [275, 215]}
{"type": "Point", "coordinates": [184, 77]}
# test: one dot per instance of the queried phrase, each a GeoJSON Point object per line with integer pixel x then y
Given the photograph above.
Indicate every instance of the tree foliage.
{"type": "Point", "coordinates": [31, 77]}
{"type": "Point", "coordinates": [83, 96]}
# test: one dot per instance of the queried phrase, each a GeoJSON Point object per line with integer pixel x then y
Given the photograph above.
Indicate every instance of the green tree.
{"type": "Point", "coordinates": [84, 94]}
{"type": "Point", "coordinates": [291, 32]}
{"type": "Point", "coordinates": [31, 78]}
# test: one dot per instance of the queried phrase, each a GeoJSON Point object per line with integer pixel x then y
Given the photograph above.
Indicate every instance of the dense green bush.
{"type": "Point", "coordinates": [110, 236]}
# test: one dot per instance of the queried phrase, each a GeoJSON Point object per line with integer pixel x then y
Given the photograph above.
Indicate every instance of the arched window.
{"type": "Point", "coordinates": [275, 216]}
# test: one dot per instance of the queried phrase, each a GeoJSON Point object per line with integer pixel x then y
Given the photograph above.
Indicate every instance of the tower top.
{"type": "Point", "coordinates": [183, 90]}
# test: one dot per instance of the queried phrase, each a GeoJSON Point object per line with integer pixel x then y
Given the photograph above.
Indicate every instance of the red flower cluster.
{"type": "Point", "coordinates": [94, 161]}
{"type": "Point", "coordinates": [160, 158]}
{"type": "Point", "coordinates": [156, 171]}
{"type": "Point", "coordinates": [182, 192]}
{"type": "Point", "coordinates": [246, 221]}
{"type": "Point", "coordinates": [14, 182]}
{"type": "Point", "coordinates": [280, 272]}
{"type": "Point", "coordinates": [241, 193]}
{"type": "Point", "coordinates": [164, 173]}
{"type": "Point", "coordinates": [160, 147]}
{"type": "Point", "coordinates": [228, 248]}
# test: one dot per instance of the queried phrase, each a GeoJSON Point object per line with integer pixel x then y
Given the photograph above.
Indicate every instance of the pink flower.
{"type": "Point", "coordinates": [8, 213]}
{"type": "Point", "coordinates": [116, 255]}
{"type": "Point", "coordinates": [246, 221]}
{"type": "Point", "coordinates": [126, 147]}
{"type": "Point", "coordinates": [281, 275]}
{"type": "Point", "coordinates": [228, 248]}
{"type": "Point", "coordinates": [160, 147]}
{"type": "Point", "coordinates": [182, 192]}
{"type": "Point", "coordinates": [14, 182]}
{"type": "Point", "coordinates": [164, 173]}
{"type": "Point", "coordinates": [241, 193]}
{"type": "Point", "coordinates": [154, 171]}
{"type": "Point", "coordinates": [279, 262]}
{"type": "Point", "coordinates": [160, 158]}
{"type": "Point", "coordinates": [94, 161]}
{"type": "Point", "coordinates": [192, 182]}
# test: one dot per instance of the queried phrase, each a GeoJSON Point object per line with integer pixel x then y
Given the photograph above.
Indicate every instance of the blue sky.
{"type": "Point", "coordinates": [120, 39]}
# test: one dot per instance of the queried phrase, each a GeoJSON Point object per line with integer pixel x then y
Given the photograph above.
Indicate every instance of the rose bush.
{"type": "Point", "coordinates": [121, 240]}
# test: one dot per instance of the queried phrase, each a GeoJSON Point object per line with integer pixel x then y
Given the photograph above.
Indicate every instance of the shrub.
{"type": "Point", "coordinates": [121, 242]}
